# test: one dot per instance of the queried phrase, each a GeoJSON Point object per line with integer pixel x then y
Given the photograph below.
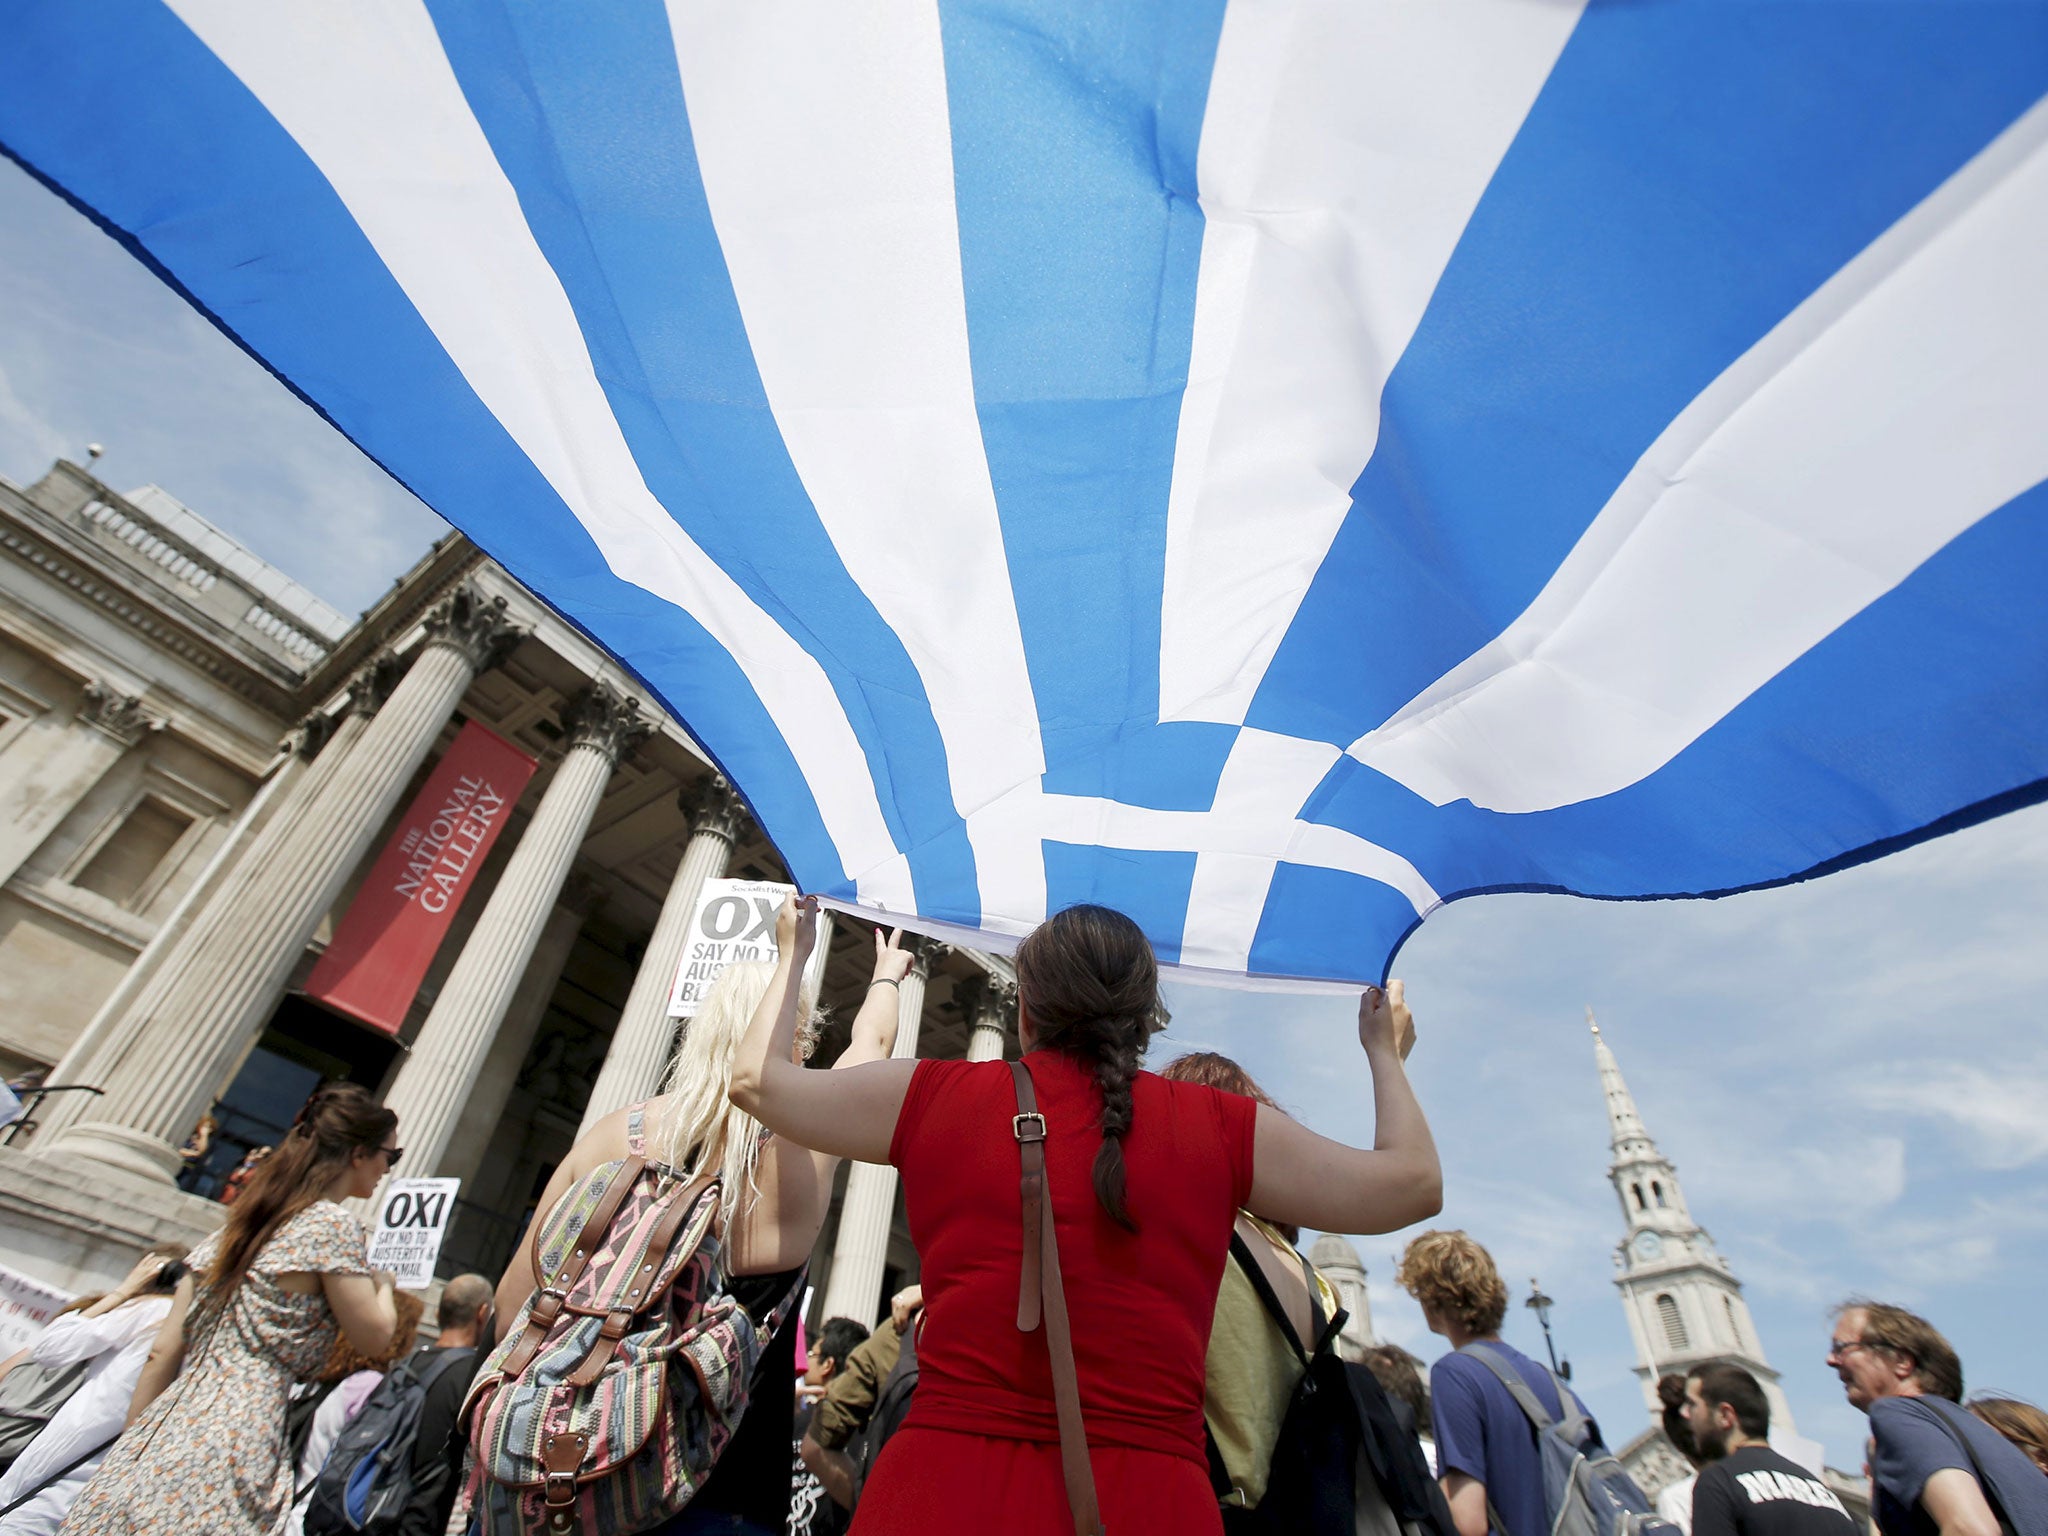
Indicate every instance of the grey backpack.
{"type": "Point", "coordinates": [1585, 1490]}
{"type": "Point", "coordinates": [28, 1397]}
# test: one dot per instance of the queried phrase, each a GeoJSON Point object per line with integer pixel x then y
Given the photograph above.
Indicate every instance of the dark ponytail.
{"type": "Point", "coordinates": [339, 1120]}
{"type": "Point", "coordinates": [1090, 984]}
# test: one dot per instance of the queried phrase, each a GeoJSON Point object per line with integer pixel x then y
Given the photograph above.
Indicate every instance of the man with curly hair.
{"type": "Point", "coordinates": [1485, 1445]}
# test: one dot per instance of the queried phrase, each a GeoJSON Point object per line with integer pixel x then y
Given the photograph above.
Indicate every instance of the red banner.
{"type": "Point", "coordinates": [388, 937]}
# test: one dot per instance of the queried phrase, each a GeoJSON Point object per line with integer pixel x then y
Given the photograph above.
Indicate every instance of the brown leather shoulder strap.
{"type": "Point", "coordinates": [547, 1303]}
{"type": "Point", "coordinates": [1039, 1283]}
{"type": "Point", "coordinates": [686, 1200]}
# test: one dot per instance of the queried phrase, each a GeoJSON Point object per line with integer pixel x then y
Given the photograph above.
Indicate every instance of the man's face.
{"type": "Point", "coordinates": [1701, 1418]}
{"type": "Point", "coordinates": [1867, 1373]}
{"type": "Point", "coordinates": [818, 1367]}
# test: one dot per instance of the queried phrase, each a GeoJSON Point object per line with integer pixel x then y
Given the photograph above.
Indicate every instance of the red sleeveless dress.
{"type": "Point", "coordinates": [980, 1448]}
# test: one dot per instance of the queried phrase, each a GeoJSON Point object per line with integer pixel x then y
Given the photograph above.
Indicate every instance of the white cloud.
{"type": "Point", "coordinates": [1999, 1118]}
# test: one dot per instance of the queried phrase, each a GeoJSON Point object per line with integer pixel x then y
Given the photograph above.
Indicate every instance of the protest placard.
{"type": "Point", "coordinates": [734, 920]}
{"type": "Point", "coordinates": [412, 1218]}
{"type": "Point", "coordinates": [26, 1305]}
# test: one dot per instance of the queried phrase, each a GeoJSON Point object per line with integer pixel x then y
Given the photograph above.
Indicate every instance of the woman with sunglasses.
{"type": "Point", "coordinates": [266, 1297]}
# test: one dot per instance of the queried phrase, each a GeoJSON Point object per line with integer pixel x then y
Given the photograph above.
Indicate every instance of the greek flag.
{"type": "Point", "coordinates": [1271, 466]}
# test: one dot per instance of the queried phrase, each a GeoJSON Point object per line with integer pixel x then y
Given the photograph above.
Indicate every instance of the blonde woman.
{"type": "Point", "coordinates": [773, 1199]}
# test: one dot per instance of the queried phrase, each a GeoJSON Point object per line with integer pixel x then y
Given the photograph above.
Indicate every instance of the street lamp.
{"type": "Point", "coordinates": [1541, 1304]}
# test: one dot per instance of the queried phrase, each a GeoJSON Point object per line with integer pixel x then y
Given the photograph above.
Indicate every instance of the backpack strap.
{"type": "Point", "coordinates": [1323, 1329]}
{"type": "Point", "coordinates": [1573, 1423]}
{"type": "Point", "coordinates": [1511, 1378]}
{"type": "Point", "coordinates": [546, 1306]}
{"type": "Point", "coordinates": [1950, 1414]}
{"type": "Point", "coordinates": [643, 1294]}
{"type": "Point", "coordinates": [1040, 1284]}
{"type": "Point", "coordinates": [64, 1471]}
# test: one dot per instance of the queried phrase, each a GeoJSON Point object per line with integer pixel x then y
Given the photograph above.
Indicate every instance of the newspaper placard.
{"type": "Point", "coordinates": [412, 1219]}
{"type": "Point", "coordinates": [735, 920]}
{"type": "Point", "coordinates": [25, 1306]}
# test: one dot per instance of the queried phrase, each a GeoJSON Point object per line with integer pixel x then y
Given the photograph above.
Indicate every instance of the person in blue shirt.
{"type": "Point", "coordinates": [1486, 1448]}
{"type": "Point", "coordinates": [1937, 1470]}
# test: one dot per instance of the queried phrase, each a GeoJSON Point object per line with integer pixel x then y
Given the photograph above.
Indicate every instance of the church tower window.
{"type": "Point", "coordinates": [1657, 1193]}
{"type": "Point", "coordinates": [1734, 1327]}
{"type": "Point", "coordinates": [1639, 1197]}
{"type": "Point", "coordinates": [1674, 1325]}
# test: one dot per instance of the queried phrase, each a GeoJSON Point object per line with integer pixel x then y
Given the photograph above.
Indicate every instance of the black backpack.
{"type": "Point", "coordinates": [1340, 1441]}
{"type": "Point", "coordinates": [892, 1407]}
{"type": "Point", "coordinates": [367, 1480]}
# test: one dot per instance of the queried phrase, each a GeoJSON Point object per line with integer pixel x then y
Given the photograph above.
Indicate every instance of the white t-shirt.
{"type": "Point", "coordinates": [117, 1343]}
{"type": "Point", "coordinates": [1675, 1503]}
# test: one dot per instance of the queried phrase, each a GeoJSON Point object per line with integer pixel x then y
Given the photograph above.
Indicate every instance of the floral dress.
{"type": "Point", "coordinates": [209, 1455]}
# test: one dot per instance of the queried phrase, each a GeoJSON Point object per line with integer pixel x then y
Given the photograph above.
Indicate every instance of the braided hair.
{"type": "Point", "coordinates": [1090, 984]}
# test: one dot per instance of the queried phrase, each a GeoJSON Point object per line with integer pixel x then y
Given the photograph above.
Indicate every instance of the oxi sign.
{"type": "Point", "coordinates": [735, 920]}
{"type": "Point", "coordinates": [412, 1218]}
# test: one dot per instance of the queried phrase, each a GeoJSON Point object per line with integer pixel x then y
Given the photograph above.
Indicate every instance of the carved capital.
{"type": "Point", "coordinates": [373, 683]}
{"type": "Point", "coordinates": [715, 808]}
{"type": "Point", "coordinates": [602, 718]}
{"type": "Point", "coordinates": [990, 1002]}
{"type": "Point", "coordinates": [310, 736]}
{"type": "Point", "coordinates": [118, 715]}
{"type": "Point", "coordinates": [476, 626]}
{"type": "Point", "coordinates": [925, 953]}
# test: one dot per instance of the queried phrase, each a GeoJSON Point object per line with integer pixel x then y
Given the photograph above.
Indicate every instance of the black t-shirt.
{"type": "Point", "coordinates": [811, 1510]}
{"type": "Point", "coordinates": [1757, 1492]}
{"type": "Point", "coordinates": [437, 1449]}
{"type": "Point", "coordinates": [751, 1479]}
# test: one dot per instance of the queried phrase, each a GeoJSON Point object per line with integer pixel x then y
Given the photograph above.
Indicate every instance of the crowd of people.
{"type": "Point", "coordinates": [637, 1366]}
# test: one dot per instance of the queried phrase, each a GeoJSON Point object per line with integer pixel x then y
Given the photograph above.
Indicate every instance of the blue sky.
{"type": "Point", "coordinates": [93, 348]}
{"type": "Point", "coordinates": [1849, 1074]}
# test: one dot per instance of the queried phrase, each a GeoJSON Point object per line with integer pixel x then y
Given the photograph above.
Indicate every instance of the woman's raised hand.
{"type": "Point", "coordinates": [142, 1276]}
{"type": "Point", "coordinates": [892, 960]}
{"type": "Point", "coordinates": [796, 927]}
{"type": "Point", "coordinates": [1384, 1022]}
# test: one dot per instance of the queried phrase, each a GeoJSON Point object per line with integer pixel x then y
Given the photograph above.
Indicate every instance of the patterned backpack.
{"type": "Point", "coordinates": [625, 1374]}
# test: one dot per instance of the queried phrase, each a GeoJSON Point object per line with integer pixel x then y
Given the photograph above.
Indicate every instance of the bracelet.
{"type": "Point", "coordinates": [885, 981]}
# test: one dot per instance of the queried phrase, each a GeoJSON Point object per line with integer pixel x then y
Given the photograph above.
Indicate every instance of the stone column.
{"type": "Point", "coordinates": [75, 756]}
{"type": "Point", "coordinates": [195, 1019]}
{"type": "Point", "coordinates": [993, 1010]}
{"type": "Point", "coordinates": [97, 1044]}
{"type": "Point", "coordinates": [854, 1288]}
{"type": "Point", "coordinates": [436, 1079]}
{"type": "Point", "coordinates": [499, 1073]}
{"type": "Point", "coordinates": [645, 1038]}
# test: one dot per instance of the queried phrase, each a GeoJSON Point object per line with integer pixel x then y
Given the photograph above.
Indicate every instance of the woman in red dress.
{"type": "Point", "coordinates": [1146, 1178]}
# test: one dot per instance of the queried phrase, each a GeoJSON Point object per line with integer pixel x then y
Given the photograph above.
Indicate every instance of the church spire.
{"type": "Point", "coordinates": [1644, 1178]}
{"type": "Point", "coordinates": [1629, 1136]}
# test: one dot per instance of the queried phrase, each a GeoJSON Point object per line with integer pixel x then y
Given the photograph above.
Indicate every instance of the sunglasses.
{"type": "Point", "coordinates": [391, 1155]}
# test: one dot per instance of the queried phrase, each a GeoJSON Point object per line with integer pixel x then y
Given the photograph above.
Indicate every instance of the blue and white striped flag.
{"type": "Point", "coordinates": [1272, 466]}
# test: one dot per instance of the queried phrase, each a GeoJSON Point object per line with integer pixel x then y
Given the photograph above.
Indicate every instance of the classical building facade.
{"type": "Point", "coordinates": [1683, 1303]}
{"type": "Point", "coordinates": [200, 761]}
